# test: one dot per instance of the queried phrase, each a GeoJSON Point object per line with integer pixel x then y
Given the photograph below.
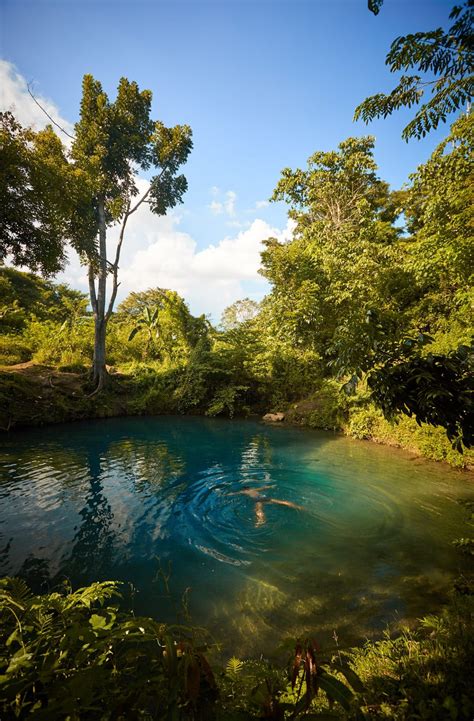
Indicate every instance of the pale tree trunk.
{"type": "Point", "coordinates": [98, 297]}
{"type": "Point", "coordinates": [99, 370]}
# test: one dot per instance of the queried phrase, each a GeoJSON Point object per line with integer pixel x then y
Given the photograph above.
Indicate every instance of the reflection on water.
{"type": "Point", "coordinates": [277, 531]}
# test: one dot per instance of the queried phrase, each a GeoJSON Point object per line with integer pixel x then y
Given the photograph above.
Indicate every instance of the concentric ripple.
{"type": "Point", "coordinates": [275, 530]}
{"type": "Point", "coordinates": [220, 518]}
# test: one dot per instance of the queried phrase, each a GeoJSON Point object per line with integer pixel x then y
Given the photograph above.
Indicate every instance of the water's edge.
{"type": "Point", "coordinates": [40, 396]}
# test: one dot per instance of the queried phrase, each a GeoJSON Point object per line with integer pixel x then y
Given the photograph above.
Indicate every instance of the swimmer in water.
{"type": "Point", "coordinates": [255, 494]}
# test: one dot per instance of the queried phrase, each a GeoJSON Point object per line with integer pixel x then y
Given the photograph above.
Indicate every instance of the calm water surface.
{"type": "Point", "coordinates": [368, 544]}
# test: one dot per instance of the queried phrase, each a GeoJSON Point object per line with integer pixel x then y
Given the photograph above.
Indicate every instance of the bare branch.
{"type": "Point", "coordinates": [114, 267]}
{"type": "Point", "coordinates": [115, 264]}
{"type": "Point", "coordinates": [142, 200]}
{"type": "Point", "coordinates": [144, 197]}
{"type": "Point", "coordinates": [48, 115]}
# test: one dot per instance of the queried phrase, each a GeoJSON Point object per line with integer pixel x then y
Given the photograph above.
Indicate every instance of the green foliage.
{"type": "Point", "coordinates": [149, 324]}
{"type": "Point", "coordinates": [422, 673]}
{"type": "Point", "coordinates": [446, 55]}
{"type": "Point", "coordinates": [37, 187]}
{"type": "Point", "coordinates": [329, 407]}
{"type": "Point", "coordinates": [13, 349]}
{"type": "Point", "coordinates": [24, 295]}
{"type": "Point", "coordinates": [325, 408]}
{"type": "Point", "coordinates": [225, 400]}
{"type": "Point", "coordinates": [41, 319]}
{"type": "Point", "coordinates": [466, 545]}
{"type": "Point", "coordinates": [434, 389]}
{"type": "Point", "coordinates": [438, 207]}
{"type": "Point", "coordinates": [61, 344]}
{"type": "Point", "coordinates": [366, 422]}
{"type": "Point", "coordinates": [205, 373]}
{"type": "Point", "coordinates": [151, 389]}
{"type": "Point", "coordinates": [374, 6]}
{"type": "Point", "coordinates": [76, 655]}
{"type": "Point", "coordinates": [233, 668]}
{"type": "Point", "coordinates": [341, 257]}
{"type": "Point", "coordinates": [165, 328]}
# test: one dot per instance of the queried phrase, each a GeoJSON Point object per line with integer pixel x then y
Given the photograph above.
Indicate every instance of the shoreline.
{"type": "Point", "coordinates": [34, 396]}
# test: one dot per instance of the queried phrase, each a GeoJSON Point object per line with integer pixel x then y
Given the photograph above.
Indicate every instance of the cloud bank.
{"type": "Point", "coordinates": [156, 252]}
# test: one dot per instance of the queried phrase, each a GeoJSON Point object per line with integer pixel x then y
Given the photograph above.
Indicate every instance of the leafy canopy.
{"type": "Point", "coordinates": [115, 139]}
{"type": "Point", "coordinates": [444, 64]}
{"type": "Point", "coordinates": [163, 317]}
{"type": "Point", "coordinates": [39, 189]}
{"type": "Point", "coordinates": [342, 254]}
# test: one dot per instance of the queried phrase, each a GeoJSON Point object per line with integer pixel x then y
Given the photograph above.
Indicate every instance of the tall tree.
{"type": "Point", "coordinates": [113, 140]}
{"type": "Point", "coordinates": [343, 255]}
{"type": "Point", "coordinates": [239, 312]}
{"type": "Point", "coordinates": [443, 61]}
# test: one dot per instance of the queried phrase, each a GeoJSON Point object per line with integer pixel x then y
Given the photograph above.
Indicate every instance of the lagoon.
{"type": "Point", "coordinates": [366, 539]}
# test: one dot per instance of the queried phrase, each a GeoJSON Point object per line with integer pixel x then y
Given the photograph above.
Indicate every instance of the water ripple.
{"type": "Point", "coordinates": [270, 527]}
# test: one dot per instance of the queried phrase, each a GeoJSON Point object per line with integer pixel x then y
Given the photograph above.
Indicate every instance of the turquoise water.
{"type": "Point", "coordinates": [369, 541]}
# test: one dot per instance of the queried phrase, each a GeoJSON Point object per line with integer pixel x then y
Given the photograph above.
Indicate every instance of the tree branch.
{"type": "Point", "coordinates": [48, 115]}
{"type": "Point", "coordinates": [143, 199]}
{"type": "Point", "coordinates": [115, 264]}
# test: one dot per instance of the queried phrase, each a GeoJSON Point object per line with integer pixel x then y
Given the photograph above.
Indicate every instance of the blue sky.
{"type": "Point", "coordinates": [263, 84]}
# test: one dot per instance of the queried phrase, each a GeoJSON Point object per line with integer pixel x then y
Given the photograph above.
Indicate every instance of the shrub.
{"type": "Point", "coordinates": [364, 422]}
{"type": "Point", "coordinates": [75, 655]}
{"type": "Point", "coordinates": [58, 344]}
{"type": "Point", "coordinates": [226, 401]}
{"type": "Point", "coordinates": [325, 408]}
{"type": "Point", "coordinates": [422, 673]}
{"type": "Point", "coordinates": [14, 349]}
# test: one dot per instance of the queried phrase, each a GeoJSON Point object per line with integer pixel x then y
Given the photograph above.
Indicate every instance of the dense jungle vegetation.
{"type": "Point", "coordinates": [369, 316]}
{"type": "Point", "coordinates": [366, 329]}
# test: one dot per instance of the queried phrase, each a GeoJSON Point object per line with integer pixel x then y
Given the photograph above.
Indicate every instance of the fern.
{"type": "Point", "coordinates": [234, 667]}
{"type": "Point", "coordinates": [14, 592]}
{"type": "Point", "coordinates": [96, 593]}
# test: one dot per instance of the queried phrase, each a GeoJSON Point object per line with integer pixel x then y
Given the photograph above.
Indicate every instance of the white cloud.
{"type": "Point", "coordinates": [229, 204]}
{"type": "Point", "coordinates": [226, 205]}
{"type": "Point", "coordinates": [237, 224]}
{"type": "Point", "coordinates": [15, 98]}
{"type": "Point", "coordinates": [261, 204]}
{"type": "Point", "coordinates": [155, 251]}
{"type": "Point", "coordinates": [216, 208]}
{"type": "Point", "coordinates": [210, 279]}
